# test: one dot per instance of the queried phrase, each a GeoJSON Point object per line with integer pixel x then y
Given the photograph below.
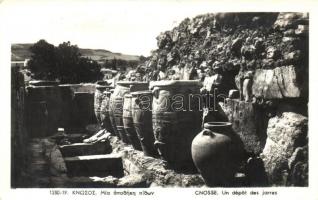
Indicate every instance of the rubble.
{"type": "Point", "coordinates": [237, 43]}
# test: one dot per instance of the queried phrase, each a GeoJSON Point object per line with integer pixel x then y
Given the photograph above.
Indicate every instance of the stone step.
{"type": "Point", "coordinates": [83, 149]}
{"type": "Point", "coordinates": [95, 165]}
{"type": "Point", "coordinates": [240, 180]}
{"type": "Point", "coordinates": [129, 181]}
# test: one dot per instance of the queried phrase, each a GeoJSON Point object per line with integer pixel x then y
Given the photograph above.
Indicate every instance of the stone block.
{"type": "Point", "coordinates": [133, 181]}
{"type": "Point", "coordinates": [288, 130]}
{"type": "Point", "coordinates": [285, 133]}
{"type": "Point", "coordinates": [93, 182]}
{"type": "Point", "coordinates": [83, 87]}
{"type": "Point", "coordinates": [277, 83]}
{"type": "Point", "coordinates": [95, 165]}
{"type": "Point", "coordinates": [64, 181]}
{"type": "Point", "coordinates": [70, 138]}
{"type": "Point", "coordinates": [248, 122]}
{"type": "Point", "coordinates": [83, 149]}
{"type": "Point", "coordinates": [152, 169]}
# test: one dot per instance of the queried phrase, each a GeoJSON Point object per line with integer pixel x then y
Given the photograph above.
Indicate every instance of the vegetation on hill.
{"type": "Point", "coordinates": [77, 65]}
{"type": "Point", "coordinates": [20, 52]}
{"type": "Point", "coordinates": [64, 63]}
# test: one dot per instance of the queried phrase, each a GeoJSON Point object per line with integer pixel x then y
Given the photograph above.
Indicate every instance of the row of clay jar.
{"type": "Point", "coordinates": [145, 116]}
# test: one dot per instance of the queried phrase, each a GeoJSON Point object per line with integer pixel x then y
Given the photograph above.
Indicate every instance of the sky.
{"type": "Point", "coordinates": [120, 26]}
{"type": "Point", "coordinates": [128, 27]}
{"type": "Point", "coordinates": [123, 26]}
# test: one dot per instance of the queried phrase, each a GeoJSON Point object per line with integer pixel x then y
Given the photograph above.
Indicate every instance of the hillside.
{"type": "Point", "coordinates": [21, 52]}
{"type": "Point", "coordinates": [237, 44]}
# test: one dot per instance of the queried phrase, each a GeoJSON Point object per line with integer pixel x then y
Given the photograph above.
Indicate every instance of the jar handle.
{"type": "Point", "coordinates": [137, 101]}
{"type": "Point", "coordinates": [208, 132]}
{"type": "Point", "coordinates": [155, 92]}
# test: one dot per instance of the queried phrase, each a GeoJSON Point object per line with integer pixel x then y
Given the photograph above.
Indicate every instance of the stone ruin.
{"type": "Point", "coordinates": [259, 61]}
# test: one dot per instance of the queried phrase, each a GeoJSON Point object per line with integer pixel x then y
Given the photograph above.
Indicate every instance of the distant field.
{"type": "Point", "coordinates": [21, 52]}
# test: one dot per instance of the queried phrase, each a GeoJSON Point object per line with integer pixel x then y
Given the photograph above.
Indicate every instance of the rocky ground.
{"type": "Point", "coordinates": [46, 168]}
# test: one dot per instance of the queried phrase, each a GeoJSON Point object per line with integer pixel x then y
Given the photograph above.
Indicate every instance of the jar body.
{"type": "Point", "coordinates": [98, 98]}
{"type": "Point", "coordinates": [128, 123]}
{"type": "Point", "coordinates": [141, 114]}
{"type": "Point", "coordinates": [213, 153]}
{"type": "Point", "coordinates": [176, 119]}
{"type": "Point", "coordinates": [117, 102]}
{"type": "Point", "coordinates": [105, 114]}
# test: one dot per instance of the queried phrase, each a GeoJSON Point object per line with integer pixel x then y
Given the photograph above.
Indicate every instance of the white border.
{"type": "Point", "coordinates": [290, 193]}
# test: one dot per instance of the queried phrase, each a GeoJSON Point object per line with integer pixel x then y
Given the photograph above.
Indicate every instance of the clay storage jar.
{"type": "Point", "coordinates": [128, 123]}
{"type": "Point", "coordinates": [43, 108]}
{"type": "Point", "coordinates": [213, 153]}
{"type": "Point", "coordinates": [101, 86]}
{"type": "Point", "coordinates": [104, 113]}
{"type": "Point", "coordinates": [117, 101]}
{"type": "Point", "coordinates": [111, 114]}
{"type": "Point", "coordinates": [176, 120]}
{"type": "Point", "coordinates": [142, 119]}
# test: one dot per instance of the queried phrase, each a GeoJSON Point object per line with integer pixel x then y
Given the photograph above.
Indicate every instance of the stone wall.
{"type": "Point", "coordinates": [82, 87]}
{"type": "Point", "coordinates": [18, 128]}
{"type": "Point", "coordinates": [249, 121]}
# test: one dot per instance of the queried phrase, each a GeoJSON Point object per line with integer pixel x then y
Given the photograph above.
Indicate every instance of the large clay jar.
{"type": "Point", "coordinates": [105, 114]}
{"type": "Point", "coordinates": [128, 123]}
{"type": "Point", "coordinates": [117, 101]}
{"type": "Point", "coordinates": [141, 113]}
{"type": "Point", "coordinates": [111, 114]}
{"type": "Point", "coordinates": [215, 154]}
{"type": "Point", "coordinates": [176, 117]}
{"type": "Point", "coordinates": [101, 86]}
{"type": "Point", "coordinates": [44, 107]}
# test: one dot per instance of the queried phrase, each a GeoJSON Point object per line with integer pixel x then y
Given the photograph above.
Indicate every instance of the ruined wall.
{"type": "Point", "coordinates": [263, 58]}
{"type": "Point", "coordinates": [18, 128]}
{"type": "Point", "coordinates": [254, 45]}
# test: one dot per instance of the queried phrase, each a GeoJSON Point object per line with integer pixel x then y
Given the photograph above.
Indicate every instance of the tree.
{"type": "Point", "coordinates": [68, 62]}
{"type": "Point", "coordinates": [43, 61]}
{"type": "Point", "coordinates": [63, 62]}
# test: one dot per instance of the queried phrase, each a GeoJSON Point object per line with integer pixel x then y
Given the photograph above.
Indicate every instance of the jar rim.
{"type": "Point", "coordinates": [43, 83]}
{"type": "Point", "coordinates": [141, 92]}
{"type": "Point", "coordinates": [128, 83]}
{"type": "Point", "coordinates": [217, 124]}
{"type": "Point", "coordinates": [168, 83]}
{"type": "Point", "coordinates": [128, 95]}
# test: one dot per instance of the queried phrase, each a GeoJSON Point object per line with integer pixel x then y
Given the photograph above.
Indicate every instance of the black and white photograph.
{"type": "Point", "coordinates": [123, 98]}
